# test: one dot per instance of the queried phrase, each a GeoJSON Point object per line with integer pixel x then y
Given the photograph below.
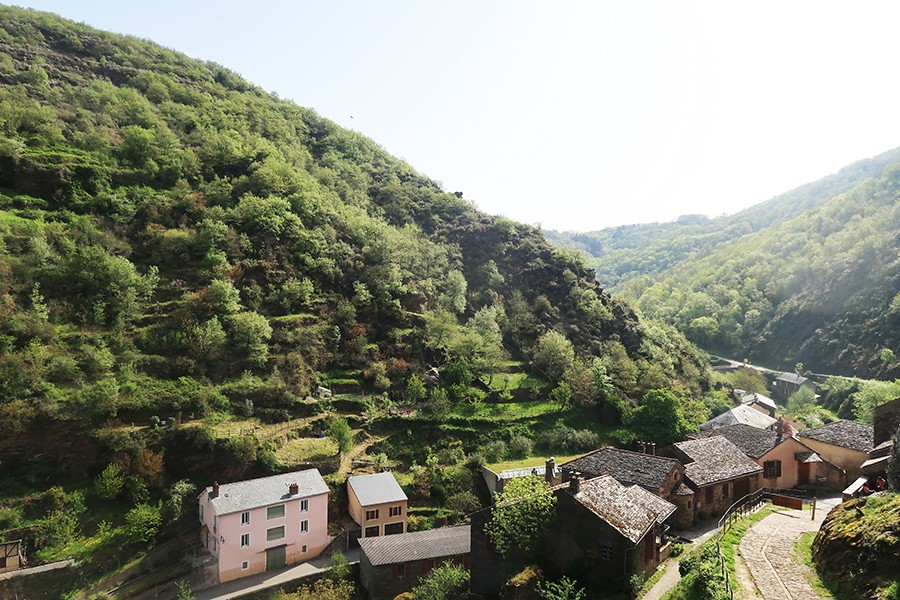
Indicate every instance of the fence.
{"type": "Point", "coordinates": [743, 507]}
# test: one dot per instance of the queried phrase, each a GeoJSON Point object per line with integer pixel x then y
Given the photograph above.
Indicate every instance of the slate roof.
{"type": "Point", "coordinates": [740, 414]}
{"type": "Point", "coordinates": [377, 488]}
{"type": "Point", "coordinates": [764, 400]}
{"type": "Point", "coordinates": [254, 493]}
{"type": "Point", "coordinates": [629, 510]}
{"type": "Point", "coordinates": [627, 467]}
{"type": "Point", "coordinates": [844, 434]}
{"type": "Point", "coordinates": [807, 457]}
{"type": "Point", "coordinates": [419, 545]}
{"type": "Point", "coordinates": [715, 459]}
{"type": "Point", "coordinates": [752, 441]}
{"type": "Point", "coordinates": [792, 378]}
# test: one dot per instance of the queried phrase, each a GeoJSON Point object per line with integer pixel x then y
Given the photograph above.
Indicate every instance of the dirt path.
{"type": "Point", "coordinates": [768, 550]}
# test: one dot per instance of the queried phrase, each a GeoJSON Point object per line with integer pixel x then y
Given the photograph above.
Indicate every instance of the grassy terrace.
{"type": "Point", "coordinates": [531, 461]}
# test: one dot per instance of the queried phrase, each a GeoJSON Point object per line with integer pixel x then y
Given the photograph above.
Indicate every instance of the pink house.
{"type": "Point", "coordinates": [264, 524]}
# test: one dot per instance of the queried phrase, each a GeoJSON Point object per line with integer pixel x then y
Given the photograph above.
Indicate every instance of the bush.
{"type": "Point", "coordinates": [142, 522]}
{"type": "Point", "coordinates": [464, 502]}
{"type": "Point", "coordinates": [566, 440]}
{"type": "Point", "coordinates": [520, 446]}
{"type": "Point", "coordinates": [494, 451]}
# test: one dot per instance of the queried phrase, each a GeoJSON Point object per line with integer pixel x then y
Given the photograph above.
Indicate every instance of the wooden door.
{"type": "Point", "coordinates": [741, 488]}
{"type": "Point", "coordinates": [275, 558]}
{"type": "Point", "coordinates": [803, 473]}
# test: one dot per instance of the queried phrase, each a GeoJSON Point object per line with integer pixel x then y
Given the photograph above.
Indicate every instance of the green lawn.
{"type": "Point", "coordinates": [301, 450]}
{"type": "Point", "coordinates": [506, 411]}
{"type": "Point", "coordinates": [513, 381]}
{"type": "Point", "coordinates": [531, 461]}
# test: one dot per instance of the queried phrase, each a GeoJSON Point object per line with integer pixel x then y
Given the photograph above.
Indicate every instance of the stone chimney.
{"type": "Point", "coordinates": [653, 448]}
{"type": "Point", "coordinates": [575, 483]}
{"type": "Point", "coordinates": [215, 490]}
{"type": "Point", "coordinates": [549, 468]}
{"type": "Point", "coordinates": [779, 430]}
{"type": "Point", "coordinates": [294, 489]}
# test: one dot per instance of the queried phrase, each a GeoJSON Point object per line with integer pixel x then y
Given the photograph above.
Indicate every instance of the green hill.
{"type": "Point", "coordinates": [185, 259]}
{"type": "Point", "coordinates": [811, 276]}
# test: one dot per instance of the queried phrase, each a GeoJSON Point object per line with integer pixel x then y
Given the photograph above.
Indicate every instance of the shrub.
{"type": "Point", "coordinates": [142, 522]}
{"type": "Point", "coordinates": [520, 446]}
{"type": "Point", "coordinates": [494, 451]}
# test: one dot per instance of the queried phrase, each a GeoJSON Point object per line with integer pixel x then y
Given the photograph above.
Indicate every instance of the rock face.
{"type": "Point", "coordinates": [857, 550]}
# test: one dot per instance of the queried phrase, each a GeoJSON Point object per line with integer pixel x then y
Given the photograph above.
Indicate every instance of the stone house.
{"type": "Point", "coordinates": [842, 443]}
{"type": "Point", "coordinates": [659, 475]}
{"type": "Point", "coordinates": [759, 402]}
{"type": "Point", "coordinates": [789, 383]}
{"type": "Point", "coordinates": [377, 504]}
{"type": "Point", "coordinates": [601, 534]}
{"type": "Point", "coordinates": [717, 471]}
{"type": "Point", "coordinates": [264, 524]}
{"type": "Point", "coordinates": [786, 461]}
{"type": "Point", "coordinates": [391, 565]}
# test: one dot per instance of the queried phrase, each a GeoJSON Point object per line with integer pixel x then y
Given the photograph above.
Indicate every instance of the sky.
{"type": "Point", "coordinates": [571, 115]}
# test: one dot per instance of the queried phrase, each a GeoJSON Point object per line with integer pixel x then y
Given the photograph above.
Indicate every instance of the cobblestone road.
{"type": "Point", "coordinates": [768, 549]}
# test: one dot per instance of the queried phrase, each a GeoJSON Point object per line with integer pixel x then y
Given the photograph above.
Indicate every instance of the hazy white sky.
{"type": "Point", "coordinates": [575, 115]}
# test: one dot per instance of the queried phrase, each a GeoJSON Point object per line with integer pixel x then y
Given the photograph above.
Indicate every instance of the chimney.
{"type": "Point", "coordinates": [575, 483]}
{"type": "Point", "coordinates": [643, 447]}
{"type": "Point", "coordinates": [779, 430]}
{"type": "Point", "coordinates": [653, 448]}
{"type": "Point", "coordinates": [294, 489]}
{"type": "Point", "coordinates": [549, 469]}
{"type": "Point", "coordinates": [215, 491]}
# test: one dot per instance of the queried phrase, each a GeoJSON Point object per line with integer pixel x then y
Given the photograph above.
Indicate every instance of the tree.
{"type": "Point", "coordinates": [522, 512]}
{"type": "Point", "coordinates": [110, 482]}
{"type": "Point", "coordinates": [447, 582]}
{"type": "Point", "coordinates": [453, 297]}
{"type": "Point", "coordinates": [142, 522]}
{"type": "Point", "coordinates": [554, 355]}
{"type": "Point", "coordinates": [659, 418]}
{"type": "Point", "coordinates": [251, 333]}
{"type": "Point", "coordinates": [563, 589]}
{"type": "Point", "coordinates": [340, 432]}
{"type": "Point", "coordinates": [749, 380]}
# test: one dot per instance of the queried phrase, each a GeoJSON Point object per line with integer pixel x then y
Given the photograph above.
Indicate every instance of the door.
{"type": "Point", "coordinates": [741, 488]}
{"type": "Point", "coordinates": [275, 558]}
{"type": "Point", "coordinates": [803, 473]}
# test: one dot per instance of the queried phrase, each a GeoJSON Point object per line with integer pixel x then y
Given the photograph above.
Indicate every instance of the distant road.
{"type": "Point", "coordinates": [733, 364]}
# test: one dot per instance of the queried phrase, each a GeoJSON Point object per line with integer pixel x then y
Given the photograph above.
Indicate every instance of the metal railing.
{"type": "Point", "coordinates": [738, 510]}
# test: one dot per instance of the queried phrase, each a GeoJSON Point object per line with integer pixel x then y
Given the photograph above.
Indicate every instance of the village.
{"type": "Point", "coordinates": [619, 513]}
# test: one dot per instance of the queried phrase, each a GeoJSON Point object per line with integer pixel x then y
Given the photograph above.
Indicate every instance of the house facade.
{"type": "Point", "coordinates": [789, 383]}
{"type": "Point", "coordinates": [842, 443]}
{"type": "Point", "coordinates": [377, 504]}
{"type": "Point", "coordinates": [718, 472]}
{"type": "Point", "coordinates": [264, 524]}
{"type": "Point", "coordinates": [394, 564]}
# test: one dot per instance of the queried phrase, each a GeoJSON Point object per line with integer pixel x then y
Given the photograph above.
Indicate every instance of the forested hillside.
{"type": "Point", "coordinates": [811, 276]}
{"type": "Point", "coordinates": [185, 259]}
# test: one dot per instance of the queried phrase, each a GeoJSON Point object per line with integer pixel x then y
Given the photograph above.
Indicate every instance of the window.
{"type": "Point", "coordinates": [371, 514]}
{"type": "Point", "coordinates": [245, 540]}
{"type": "Point", "coordinates": [772, 469]}
{"type": "Point", "coordinates": [606, 552]}
{"type": "Point", "coordinates": [395, 511]}
{"type": "Point", "coordinates": [245, 565]}
{"type": "Point", "coordinates": [401, 570]}
{"type": "Point", "coordinates": [373, 531]}
{"type": "Point", "coordinates": [709, 495]}
{"type": "Point", "coordinates": [245, 518]}
{"type": "Point", "coordinates": [393, 528]}
{"type": "Point", "coordinates": [304, 526]}
{"type": "Point", "coordinates": [275, 512]}
{"type": "Point", "coordinates": [303, 549]}
{"type": "Point", "coordinates": [304, 505]}
{"type": "Point", "coordinates": [276, 533]}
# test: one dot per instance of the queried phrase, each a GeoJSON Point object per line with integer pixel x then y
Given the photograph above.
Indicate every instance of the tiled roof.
{"type": "Point", "coordinates": [792, 378]}
{"type": "Point", "coordinates": [752, 441]}
{"type": "Point", "coordinates": [882, 449]}
{"type": "Point", "coordinates": [683, 490]}
{"type": "Point", "coordinates": [629, 510]}
{"type": "Point", "coordinates": [759, 398]}
{"type": "Point", "coordinates": [807, 457]}
{"type": "Point", "coordinates": [419, 545]}
{"type": "Point", "coordinates": [627, 467]}
{"type": "Point", "coordinates": [844, 434]}
{"type": "Point", "coordinates": [254, 493]}
{"type": "Point", "coordinates": [715, 459]}
{"type": "Point", "coordinates": [377, 488]}
{"type": "Point", "coordinates": [740, 414]}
